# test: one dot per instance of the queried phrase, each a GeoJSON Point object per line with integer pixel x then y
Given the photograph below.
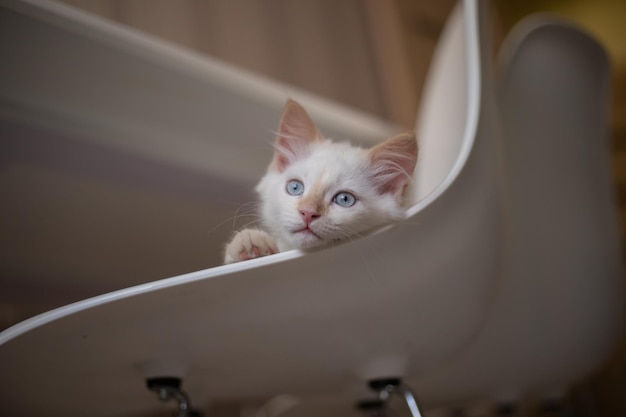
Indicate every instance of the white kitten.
{"type": "Point", "coordinates": [316, 191]}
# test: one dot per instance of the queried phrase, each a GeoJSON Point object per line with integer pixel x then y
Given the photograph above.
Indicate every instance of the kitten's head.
{"type": "Point", "coordinates": [316, 191]}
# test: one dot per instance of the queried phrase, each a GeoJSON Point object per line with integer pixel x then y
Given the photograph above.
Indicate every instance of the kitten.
{"type": "Point", "coordinates": [316, 192]}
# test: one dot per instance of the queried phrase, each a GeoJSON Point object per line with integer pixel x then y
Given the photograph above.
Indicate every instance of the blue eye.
{"type": "Point", "coordinates": [344, 199]}
{"type": "Point", "coordinates": [295, 187]}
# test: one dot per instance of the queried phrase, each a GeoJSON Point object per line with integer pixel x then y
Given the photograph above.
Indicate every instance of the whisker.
{"type": "Point", "coordinates": [228, 219]}
{"type": "Point", "coordinates": [250, 223]}
{"type": "Point", "coordinates": [245, 210]}
{"type": "Point", "coordinates": [249, 207]}
{"type": "Point", "coordinates": [236, 216]}
{"type": "Point", "coordinates": [351, 234]}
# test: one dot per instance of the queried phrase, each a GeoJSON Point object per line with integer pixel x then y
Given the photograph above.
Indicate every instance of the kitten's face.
{"type": "Point", "coordinates": [317, 192]}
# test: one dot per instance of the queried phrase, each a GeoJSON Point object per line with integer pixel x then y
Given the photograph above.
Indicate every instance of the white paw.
{"type": "Point", "coordinates": [249, 244]}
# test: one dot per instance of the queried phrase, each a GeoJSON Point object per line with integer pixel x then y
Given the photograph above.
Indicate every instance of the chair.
{"type": "Point", "coordinates": [464, 300]}
{"type": "Point", "coordinates": [558, 310]}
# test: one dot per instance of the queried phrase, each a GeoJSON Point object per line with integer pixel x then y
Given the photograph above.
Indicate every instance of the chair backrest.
{"type": "Point", "coordinates": [554, 97]}
{"type": "Point", "coordinates": [444, 106]}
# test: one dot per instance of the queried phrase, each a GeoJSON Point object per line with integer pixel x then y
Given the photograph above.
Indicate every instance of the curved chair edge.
{"type": "Point", "coordinates": [471, 18]}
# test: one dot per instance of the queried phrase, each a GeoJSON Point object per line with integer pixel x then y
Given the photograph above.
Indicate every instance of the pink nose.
{"type": "Point", "coordinates": [309, 216]}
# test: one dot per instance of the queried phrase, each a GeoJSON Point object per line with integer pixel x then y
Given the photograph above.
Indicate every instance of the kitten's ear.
{"type": "Point", "coordinates": [392, 163]}
{"type": "Point", "coordinates": [296, 131]}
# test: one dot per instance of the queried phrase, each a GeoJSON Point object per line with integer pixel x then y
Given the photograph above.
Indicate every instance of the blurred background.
{"type": "Point", "coordinates": [371, 55]}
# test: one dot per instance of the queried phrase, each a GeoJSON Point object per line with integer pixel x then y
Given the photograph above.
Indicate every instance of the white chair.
{"type": "Point", "coordinates": [505, 277]}
{"type": "Point", "coordinates": [558, 308]}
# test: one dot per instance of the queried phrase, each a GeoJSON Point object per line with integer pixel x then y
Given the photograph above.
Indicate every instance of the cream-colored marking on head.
{"type": "Point", "coordinates": [313, 199]}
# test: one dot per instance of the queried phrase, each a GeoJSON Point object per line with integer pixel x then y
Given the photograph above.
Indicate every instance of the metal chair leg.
{"type": "Point", "coordinates": [388, 386]}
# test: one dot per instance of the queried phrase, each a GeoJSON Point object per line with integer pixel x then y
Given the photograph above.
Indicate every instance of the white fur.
{"type": "Point", "coordinates": [328, 169]}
